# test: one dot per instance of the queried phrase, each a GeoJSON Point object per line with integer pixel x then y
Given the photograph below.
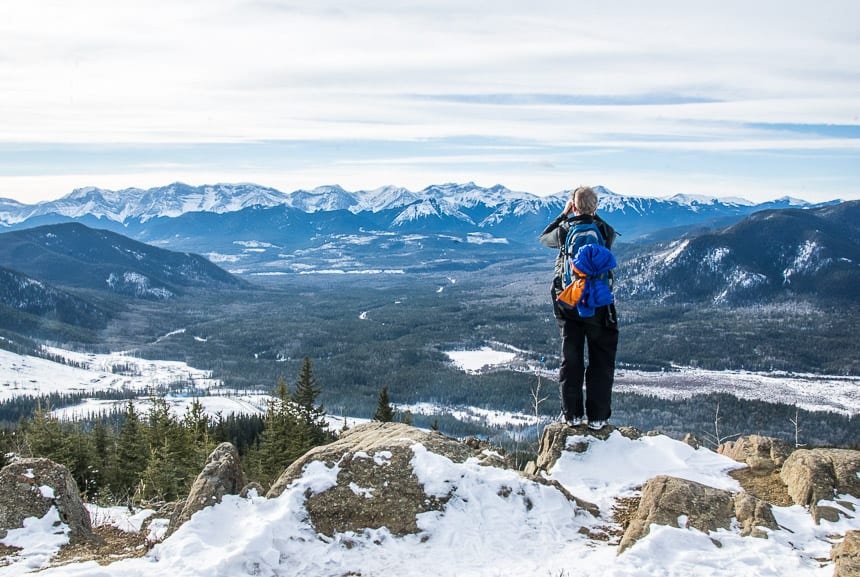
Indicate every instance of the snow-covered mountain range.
{"type": "Point", "coordinates": [468, 203]}
{"type": "Point", "coordinates": [251, 229]}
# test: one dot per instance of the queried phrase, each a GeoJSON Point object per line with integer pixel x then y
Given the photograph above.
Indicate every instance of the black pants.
{"type": "Point", "coordinates": [601, 335]}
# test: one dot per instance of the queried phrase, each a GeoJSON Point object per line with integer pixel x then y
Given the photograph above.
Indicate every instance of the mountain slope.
{"type": "Point", "coordinates": [811, 253]}
{"type": "Point", "coordinates": [77, 256]}
{"type": "Point", "coordinates": [22, 297]}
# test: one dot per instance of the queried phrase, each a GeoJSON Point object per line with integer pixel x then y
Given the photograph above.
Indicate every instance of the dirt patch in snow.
{"type": "Point", "coordinates": [766, 486]}
{"type": "Point", "coordinates": [6, 554]}
{"type": "Point", "coordinates": [114, 546]}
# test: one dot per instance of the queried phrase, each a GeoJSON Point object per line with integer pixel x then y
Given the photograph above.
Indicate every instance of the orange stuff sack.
{"type": "Point", "coordinates": [573, 292]}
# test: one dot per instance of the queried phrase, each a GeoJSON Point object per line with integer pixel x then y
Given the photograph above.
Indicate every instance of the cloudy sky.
{"type": "Point", "coordinates": [732, 98]}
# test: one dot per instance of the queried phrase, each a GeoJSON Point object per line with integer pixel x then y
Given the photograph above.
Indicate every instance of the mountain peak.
{"type": "Point", "coordinates": [690, 199]}
{"type": "Point", "coordinates": [791, 201]}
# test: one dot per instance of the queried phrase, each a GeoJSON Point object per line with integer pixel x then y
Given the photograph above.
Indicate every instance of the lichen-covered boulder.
{"type": "Point", "coordinates": [762, 454]}
{"type": "Point", "coordinates": [31, 487]}
{"type": "Point", "coordinates": [376, 485]}
{"type": "Point", "coordinates": [222, 475]}
{"type": "Point", "coordinates": [672, 502]}
{"type": "Point", "coordinates": [846, 556]}
{"type": "Point", "coordinates": [813, 475]}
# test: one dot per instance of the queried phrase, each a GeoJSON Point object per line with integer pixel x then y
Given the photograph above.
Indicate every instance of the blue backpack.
{"type": "Point", "coordinates": [578, 236]}
{"type": "Point", "coordinates": [586, 276]}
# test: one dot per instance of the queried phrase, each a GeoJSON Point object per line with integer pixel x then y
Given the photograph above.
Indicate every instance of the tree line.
{"type": "Point", "coordinates": [155, 456]}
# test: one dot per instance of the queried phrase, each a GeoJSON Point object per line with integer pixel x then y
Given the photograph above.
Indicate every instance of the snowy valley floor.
{"type": "Point", "coordinates": [496, 523]}
{"type": "Point", "coordinates": [96, 373]}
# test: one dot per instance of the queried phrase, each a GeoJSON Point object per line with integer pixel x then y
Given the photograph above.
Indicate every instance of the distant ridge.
{"type": "Point", "coordinates": [767, 256]}
{"type": "Point", "coordinates": [178, 198]}
{"type": "Point", "coordinates": [74, 255]}
{"type": "Point", "coordinates": [496, 208]}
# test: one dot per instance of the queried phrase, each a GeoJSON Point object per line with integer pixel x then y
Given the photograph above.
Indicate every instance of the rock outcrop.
{"type": "Point", "coordinates": [762, 454]}
{"type": "Point", "coordinates": [553, 442]}
{"type": "Point", "coordinates": [846, 556]}
{"type": "Point", "coordinates": [673, 502]}
{"type": "Point", "coordinates": [222, 475]}
{"type": "Point", "coordinates": [813, 475]}
{"type": "Point", "coordinates": [31, 487]}
{"type": "Point", "coordinates": [376, 485]}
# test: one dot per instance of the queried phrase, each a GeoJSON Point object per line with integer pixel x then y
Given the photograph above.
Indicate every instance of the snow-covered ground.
{"type": "Point", "coordinates": [490, 417]}
{"type": "Point", "coordinates": [834, 393]}
{"type": "Point", "coordinates": [25, 375]}
{"type": "Point", "coordinates": [474, 361]}
{"type": "Point", "coordinates": [495, 523]}
{"type": "Point", "coordinates": [224, 404]}
{"type": "Point", "coordinates": [239, 403]}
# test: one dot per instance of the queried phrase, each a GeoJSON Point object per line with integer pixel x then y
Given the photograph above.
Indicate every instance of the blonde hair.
{"type": "Point", "coordinates": [585, 200]}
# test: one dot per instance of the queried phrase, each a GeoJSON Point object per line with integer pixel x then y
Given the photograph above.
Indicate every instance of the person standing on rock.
{"type": "Point", "coordinates": [596, 326]}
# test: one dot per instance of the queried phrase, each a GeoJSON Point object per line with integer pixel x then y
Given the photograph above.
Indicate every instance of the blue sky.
{"type": "Point", "coordinates": [758, 100]}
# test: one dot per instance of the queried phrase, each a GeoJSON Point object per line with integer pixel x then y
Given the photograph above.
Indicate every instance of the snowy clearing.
{"type": "Point", "coordinates": [25, 375]}
{"type": "Point", "coordinates": [476, 361]}
{"type": "Point", "coordinates": [833, 393]}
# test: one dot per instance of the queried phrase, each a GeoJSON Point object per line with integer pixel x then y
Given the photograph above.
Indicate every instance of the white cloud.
{"type": "Point", "coordinates": [255, 70]}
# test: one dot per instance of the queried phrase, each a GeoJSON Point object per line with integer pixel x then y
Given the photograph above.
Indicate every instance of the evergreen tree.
{"type": "Point", "coordinates": [384, 410]}
{"type": "Point", "coordinates": [293, 425]}
{"type": "Point", "coordinates": [275, 452]}
{"type": "Point", "coordinates": [198, 425]}
{"type": "Point", "coordinates": [132, 454]}
{"type": "Point", "coordinates": [406, 417]}
{"type": "Point", "coordinates": [307, 389]}
{"type": "Point", "coordinates": [103, 453]}
{"type": "Point", "coordinates": [5, 446]}
{"type": "Point", "coordinates": [312, 429]}
{"type": "Point", "coordinates": [44, 437]}
{"type": "Point", "coordinates": [66, 444]}
{"type": "Point", "coordinates": [242, 430]}
{"type": "Point", "coordinates": [173, 459]}
{"type": "Point", "coordinates": [81, 459]}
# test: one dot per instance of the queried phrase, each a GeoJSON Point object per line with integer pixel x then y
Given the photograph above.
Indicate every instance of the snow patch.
{"type": "Point", "coordinates": [476, 361]}
{"type": "Point", "coordinates": [494, 522]}
{"type": "Point", "coordinates": [25, 375]}
{"type": "Point", "coordinates": [675, 250]}
{"type": "Point", "coordinates": [138, 284]}
{"type": "Point", "coordinates": [484, 238]}
{"type": "Point", "coordinates": [39, 540]}
{"type": "Point", "coordinates": [808, 261]}
{"type": "Point", "coordinates": [739, 280]}
{"type": "Point", "coordinates": [713, 259]}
